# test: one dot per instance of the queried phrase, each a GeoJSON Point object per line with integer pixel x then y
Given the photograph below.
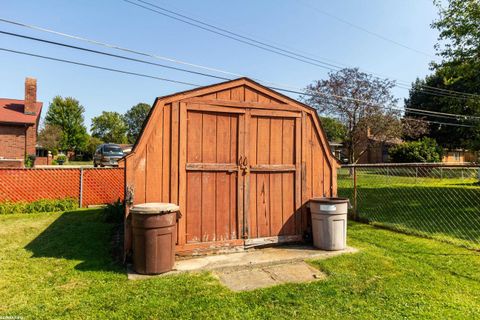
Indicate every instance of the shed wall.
{"type": "Point", "coordinates": [154, 171]}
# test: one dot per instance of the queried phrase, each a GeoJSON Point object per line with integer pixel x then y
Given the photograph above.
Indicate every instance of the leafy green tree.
{"type": "Point", "coordinates": [459, 70]}
{"type": "Point", "coordinates": [67, 114]}
{"type": "Point", "coordinates": [109, 127]}
{"type": "Point", "coordinates": [334, 129]}
{"type": "Point", "coordinates": [50, 138]}
{"type": "Point", "coordinates": [90, 147]}
{"type": "Point", "coordinates": [459, 37]}
{"type": "Point", "coordinates": [134, 119]}
{"type": "Point", "coordinates": [424, 150]}
{"type": "Point", "coordinates": [368, 112]}
{"type": "Point", "coordinates": [467, 133]}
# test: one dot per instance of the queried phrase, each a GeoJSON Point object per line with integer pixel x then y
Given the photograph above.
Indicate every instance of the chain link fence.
{"type": "Point", "coordinates": [432, 200]}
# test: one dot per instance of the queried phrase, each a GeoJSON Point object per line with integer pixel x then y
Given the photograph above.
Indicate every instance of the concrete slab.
{"type": "Point", "coordinates": [262, 277]}
{"type": "Point", "coordinates": [252, 258]}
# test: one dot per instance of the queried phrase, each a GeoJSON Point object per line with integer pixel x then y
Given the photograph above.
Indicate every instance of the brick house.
{"type": "Point", "coordinates": [19, 121]}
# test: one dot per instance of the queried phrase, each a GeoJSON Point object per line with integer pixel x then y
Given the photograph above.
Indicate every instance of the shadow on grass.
{"type": "Point", "coordinates": [78, 235]}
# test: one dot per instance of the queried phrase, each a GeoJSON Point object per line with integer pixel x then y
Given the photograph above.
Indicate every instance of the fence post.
{"type": "Point", "coordinates": [355, 212]}
{"type": "Point", "coordinates": [80, 198]}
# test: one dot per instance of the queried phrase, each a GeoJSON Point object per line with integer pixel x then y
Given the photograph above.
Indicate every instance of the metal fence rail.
{"type": "Point", "coordinates": [432, 200]}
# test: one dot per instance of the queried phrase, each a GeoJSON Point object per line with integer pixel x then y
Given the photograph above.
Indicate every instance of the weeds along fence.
{"type": "Point", "coordinates": [438, 201]}
{"type": "Point", "coordinates": [90, 186]}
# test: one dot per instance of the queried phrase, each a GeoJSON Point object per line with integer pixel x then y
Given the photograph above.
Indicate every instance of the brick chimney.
{"type": "Point", "coordinates": [30, 95]}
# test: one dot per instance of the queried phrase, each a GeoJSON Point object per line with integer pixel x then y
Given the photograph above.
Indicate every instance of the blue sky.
{"type": "Point", "coordinates": [288, 23]}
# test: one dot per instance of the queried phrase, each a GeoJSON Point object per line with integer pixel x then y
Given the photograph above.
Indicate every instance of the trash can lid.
{"type": "Point", "coordinates": [155, 208]}
{"type": "Point", "coordinates": [330, 200]}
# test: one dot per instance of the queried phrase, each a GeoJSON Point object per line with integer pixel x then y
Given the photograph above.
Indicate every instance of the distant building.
{"type": "Point", "coordinates": [376, 149]}
{"type": "Point", "coordinates": [337, 150]}
{"type": "Point", "coordinates": [459, 156]}
{"type": "Point", "coordinates": [19, 121]}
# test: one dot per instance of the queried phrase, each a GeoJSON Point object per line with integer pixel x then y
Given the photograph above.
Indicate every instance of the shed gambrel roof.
{"type": "Point", "coordinates": [201, 91]}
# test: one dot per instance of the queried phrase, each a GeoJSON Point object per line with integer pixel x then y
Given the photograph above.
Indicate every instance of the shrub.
{"type": "Point", "coordinates": [424, 150]}
{"type": "Point", "coordinates": [29, 160]}
{"type": "Point", "coordinates": [114, 212]}
{"type": "Point", "coordinates": [61, 159]}
{"type": "Point", "coordinates": [44, 205]}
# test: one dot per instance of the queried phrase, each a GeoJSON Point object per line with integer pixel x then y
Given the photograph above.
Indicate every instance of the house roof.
{"type": "Point", "coordinates": [11, 111]}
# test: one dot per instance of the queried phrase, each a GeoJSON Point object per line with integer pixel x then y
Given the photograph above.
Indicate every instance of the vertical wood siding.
{"type": "Point", "coordinates": [212, 205]}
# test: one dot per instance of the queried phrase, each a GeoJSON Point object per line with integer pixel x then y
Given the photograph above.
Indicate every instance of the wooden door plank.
{"type": "Point", "coordinates": [223, 138]}
{"type": "Point", "coordinates": [263, 141]}
{"type": "Point", "coordinates": [277, 199]}
{"type": "Point", "coordinates": [232, 192]}
{"type": "Point", "coordinates": [209, 138]}
{"type": "Point", "coordinates": [275, 113]}
{"type": "Point", "coordinates": [182, 183]}
{"type": "Point", "coordinates": [263, 205]}
{"type": "Point", "coordinates": [208, 219]}
{"type": "Point", "coordinates": [167, 154]}
{"type": "Point", "coordinates": [193, 213]}
{"type": "Point", "coordinates": [253, 214]}
{"type": "Point", "coordinates": [211, 166]}
{"type": "Point", "coordinates": [273, 167]}
{"type": "Point", "coordinates": [194, 137]}
{"type": "Point", "coordinates": [305, 146]}
{"type": "Point", "coordinates": [174, 155]}
{"type": "Point", "coordinates": [276, 141]}
{"type": "Point", "coordinates": [246, 199]}
{"type": "Point", "coordinates": [239, 102]}
{"type": "Point", "coordinates": [298, 175]}
{"type": "Point", "coordinates": [213, 108]}
{"type": "Point", "coordinates": [240, 176]}
{"type": "Point", "coordinates": [288, 209]}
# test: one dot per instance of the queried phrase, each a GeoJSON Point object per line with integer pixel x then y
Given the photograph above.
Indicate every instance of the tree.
{"type": "Point", "coordinates": [459, 46]}
{"type": "Point", "coordinates": [424, 150]}
{"type": "Point", "coordinates": [50, 138]}
{"type": "Point", "coordinates": [461, 132]}
{"type": "Point", "coordinates": [367, 113]}
{"type": "Point", "coordinates": [134, 119]}
{"type": "Point", "coordinates": [459, 38]}
{"type": "Point", "coordinates": [91, 146]}
{"type": "Point", "coordinates": [334, 129]}
{"type": "Point", "coordinates": [109, 127]}
{"type": "Point", "coordinates": [413, 129]}
{"type": "Point", "coordinates": [67, 114]}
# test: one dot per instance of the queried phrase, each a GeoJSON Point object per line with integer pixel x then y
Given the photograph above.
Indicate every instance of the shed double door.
{"type": "Point", "coordinates": [242, 175]}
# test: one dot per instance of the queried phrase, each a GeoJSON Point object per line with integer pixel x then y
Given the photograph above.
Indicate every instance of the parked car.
{"type": "Point", "coordinates": [107, 155]}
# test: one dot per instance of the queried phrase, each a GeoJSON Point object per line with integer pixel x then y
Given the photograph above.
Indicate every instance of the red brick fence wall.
{"type": "Point", "coordinates": [89, 185]}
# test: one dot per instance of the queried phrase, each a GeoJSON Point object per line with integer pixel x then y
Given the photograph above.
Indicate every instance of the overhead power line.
{"type": "Point", "coordinates": [109, 54]}
{"type": "Point", "coordinates": [455, 116]}
{"type": "Point", "coordinates": [159, 78]}
{"type": "Point", "coordinates": [158, 57]}
{"type": "Point", "coordinates": [98, 67]}
{"type": "Point", "coordinates": [260, 44]}
{"type": "Point", "coordinates": [418, 111]}
{"type": "Point", "coordinates": [363, 29]}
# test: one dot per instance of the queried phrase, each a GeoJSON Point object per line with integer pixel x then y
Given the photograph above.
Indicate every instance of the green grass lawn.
{"type": "Point", "coordinates": [447, 209]}
{"type": "Point", "coordinates": [59, 266]}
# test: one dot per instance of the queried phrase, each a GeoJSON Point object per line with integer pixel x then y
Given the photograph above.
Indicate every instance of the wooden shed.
{"type": "Point", "coordinates": [241, 161]}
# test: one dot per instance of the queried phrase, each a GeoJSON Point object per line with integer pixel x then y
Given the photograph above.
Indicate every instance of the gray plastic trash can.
{"type": "Point", "coordinates": [329, 223]}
